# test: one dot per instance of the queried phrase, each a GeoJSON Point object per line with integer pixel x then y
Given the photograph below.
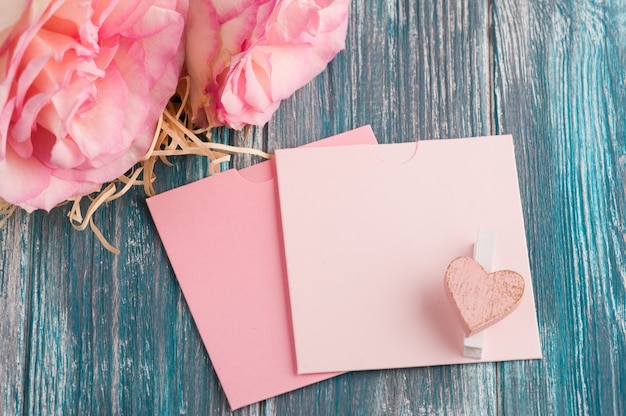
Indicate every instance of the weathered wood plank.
{"type": "Point", "coordinates": [559, 76]}
{"type": "Point", "coordinates": [15, 257]}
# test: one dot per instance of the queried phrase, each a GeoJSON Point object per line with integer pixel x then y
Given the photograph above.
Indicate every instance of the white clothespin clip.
{"type": "Point", "coordinates": [484, 248]}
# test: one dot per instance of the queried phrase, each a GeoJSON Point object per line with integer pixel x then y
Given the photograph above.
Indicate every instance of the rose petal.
{"type": "Point", "coordinates": [12, 13]}
{"type": "Point", "coordinates": [27, 77]}
{"type": "Point", "coordinates": [22, 178]}
{"type": "Point", "coordinates": [258, 80]}
{"type": "Point", "coordinates": [56, 152]}
{"type": "Point", "coordinates": [294, 22]}
{"type": "Point", "coordinates": [156, 28]}
{"type": "Point", "coordinates": [73, 19]}
{"type": "Point", "coordinates": [202, 43]}
{"type": "Point", "coordinates": [56, 117]}
{"type": "Point", "coordinates": [58, 190]}
{"type": "Point", "coordinates": [122, 16]}
{"type": "Point", "coordinates": [5, 119]}
{"type": "Point", "coordinates": [26, 124]}
{"type": "Point", "coordinates": [87, 128]}
{"type": "Point", "coordinates": [131, 61]}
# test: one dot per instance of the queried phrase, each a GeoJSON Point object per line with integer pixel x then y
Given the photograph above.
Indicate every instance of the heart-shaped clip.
{"type": "Point", "coordinates": [480, 298]}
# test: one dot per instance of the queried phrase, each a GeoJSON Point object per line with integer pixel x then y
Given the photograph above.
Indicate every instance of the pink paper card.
{"type": "Point", "coordinates": [223, 237]}
{"type": "Point", "coordinates": [368, 238]}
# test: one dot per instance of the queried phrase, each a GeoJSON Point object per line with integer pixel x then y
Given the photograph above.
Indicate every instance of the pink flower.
{"type": "Point", "coordinates": [245, 56]}
{"type": "Point", "coordinates": [82, 85]}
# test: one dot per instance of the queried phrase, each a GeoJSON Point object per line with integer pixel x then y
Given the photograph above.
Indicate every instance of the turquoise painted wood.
{"type": "Point", "coordinates": [87, 332]}
{"type": "Point", "coordinates": [560, 88]}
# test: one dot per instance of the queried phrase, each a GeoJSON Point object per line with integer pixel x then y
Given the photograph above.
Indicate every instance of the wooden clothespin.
{"type": "Point", "coordinates": [480, 296]}
{"type": "Point", "coordinates": [484, 248]}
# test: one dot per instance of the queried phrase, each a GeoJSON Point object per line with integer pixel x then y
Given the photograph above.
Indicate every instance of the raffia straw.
{"type": "Point", "coordinates": [6, 210]}
{"type": "Point", "coordinates": [174, 136]}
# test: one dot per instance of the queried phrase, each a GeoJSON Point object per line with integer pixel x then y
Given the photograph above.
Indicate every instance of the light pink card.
{"type": "Point", "coordinates": [223, 237]}
{"type": "Point", "coordinates": [369, 231]}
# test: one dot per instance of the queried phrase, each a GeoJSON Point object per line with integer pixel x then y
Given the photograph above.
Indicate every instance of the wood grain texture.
{"type": "Point", "coordinates": [15, 265]}
{"type": "Point", "coordinates": [560, 89]}
{"type": "Point", "coordinates": [86, 332]}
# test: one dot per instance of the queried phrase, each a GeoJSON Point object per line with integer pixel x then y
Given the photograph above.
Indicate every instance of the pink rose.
{"type": "Point", "coordinates": [82, 85]}
{"type": "Point", "coordinates": [245, 56]}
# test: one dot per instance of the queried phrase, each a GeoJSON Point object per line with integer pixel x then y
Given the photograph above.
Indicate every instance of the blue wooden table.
{"type": "Point", "coordinates": [83, 331]}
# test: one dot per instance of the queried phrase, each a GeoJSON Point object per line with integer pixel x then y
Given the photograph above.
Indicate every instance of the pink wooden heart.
{"type": "Point", "coordinates": [481, 299]}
